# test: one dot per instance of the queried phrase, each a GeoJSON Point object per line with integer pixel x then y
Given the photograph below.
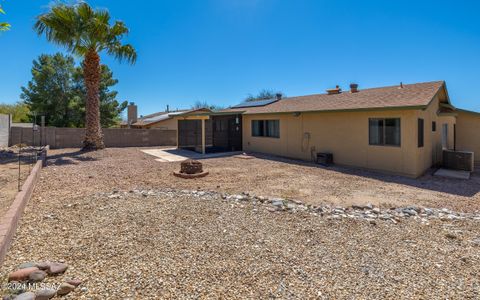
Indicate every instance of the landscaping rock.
{"type": "Point", "coordinates": [277, 203]}
{"type": "Point", "coordinates": [409, 211]}
{"type": "Point", "coordinates": [56, 268]}
{"type": "Point", "coordinates": [22, 274]}
{"type": "Point", "coordinates": [37, 276]}
{"type": "Point", "coordinates": [27, 265]}
{"type": "Point", "coordinates": [43, 265]}
{"type": "Point", "coordinates": [45, 294]}
{"type": "Point", "coordinates": [65, 288]}
{"type": "Point", "coordinates": [74, 282]}
{"type": "Point", "coordinates": [26, 296]}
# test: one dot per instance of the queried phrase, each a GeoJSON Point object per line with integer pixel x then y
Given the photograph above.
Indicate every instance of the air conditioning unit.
{"type": "Point", "coordinates": [458, 160]}
{"type": "Point", "coordinates": [325, 159]}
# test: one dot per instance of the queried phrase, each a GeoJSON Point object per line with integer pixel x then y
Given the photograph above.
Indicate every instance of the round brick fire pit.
{"type": "Point", "coordinates": [191, 169]}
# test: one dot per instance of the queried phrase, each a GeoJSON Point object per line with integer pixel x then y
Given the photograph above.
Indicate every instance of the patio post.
{"type": "Point", "coordinates": [178, 127]}
{"type": "Point", "coordinates": [203, 136]}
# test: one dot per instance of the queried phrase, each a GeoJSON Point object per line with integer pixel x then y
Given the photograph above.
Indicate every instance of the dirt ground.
{"type": "Point", "coordinates": [265, 175]}
{"type": "Point", "coordinates": [97, 213]}
{"type": "Point", "coordinates": [9, 179]}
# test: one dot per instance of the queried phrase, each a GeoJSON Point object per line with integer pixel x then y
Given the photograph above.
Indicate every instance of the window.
{"type": "Point", "coordinates": [266, 128]}
{"type": "Point", "coordinates": [420, 133]}
{"type": "Point", "coordinates": [384, 132]}
{"type": "Point", "coordinates": [434, 126]}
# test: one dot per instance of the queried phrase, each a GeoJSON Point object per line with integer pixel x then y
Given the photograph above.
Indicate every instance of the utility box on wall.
{"type": "Point", "coordinates": [458, 160]}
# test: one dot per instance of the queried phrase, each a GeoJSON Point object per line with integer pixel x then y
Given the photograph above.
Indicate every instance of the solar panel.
{"type": "Point", "coordinates": [255, 103]}
{"type": "Point", "coordinates": [156, 118]}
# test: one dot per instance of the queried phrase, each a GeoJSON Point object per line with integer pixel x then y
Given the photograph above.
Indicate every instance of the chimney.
{"type": "Point", "coordinates": [353, 88]}
{"type": "Point", "coordinates": [131, 113]}
{"type": "Point", "coordinates": [401, 85]}
{"type": "Point", "coordinates": [278, 96]}
{"type": "Point", "coordinates": [336, 90]}
{"type": "Point", "coordinates": [168, 108]}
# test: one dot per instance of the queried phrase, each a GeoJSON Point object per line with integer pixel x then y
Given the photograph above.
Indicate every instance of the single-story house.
{"type": "Point", "coordinates": [400, 129]}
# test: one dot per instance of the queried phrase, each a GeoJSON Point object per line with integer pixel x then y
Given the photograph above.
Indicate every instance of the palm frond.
{"type": "Point", "coordinates": [123, 52]}
{"type": "Point", "coordinates": [81, 29]}
{"type": "Point", "coordinates": [4, 26]}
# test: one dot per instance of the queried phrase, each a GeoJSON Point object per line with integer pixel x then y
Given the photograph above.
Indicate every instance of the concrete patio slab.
{"type": "Point", "coordinates": [174, 154]}
{"type": "Point", "coordinates": [456, 174]}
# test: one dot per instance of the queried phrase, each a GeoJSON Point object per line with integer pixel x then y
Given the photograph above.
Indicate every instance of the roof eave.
{"type": "Point", "coordinates": [393, 108]}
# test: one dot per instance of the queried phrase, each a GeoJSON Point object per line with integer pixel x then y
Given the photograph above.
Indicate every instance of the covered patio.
{"type": "Point", "coordinates": [210, 132]}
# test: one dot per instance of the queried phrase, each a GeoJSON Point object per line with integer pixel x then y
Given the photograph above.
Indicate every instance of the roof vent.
{"type": "Point", "coordinates": [353, 88]}
{"type": "Point", "coordinates": [278, 96]}
{"type": "Point", "coordinates": [336, 90]}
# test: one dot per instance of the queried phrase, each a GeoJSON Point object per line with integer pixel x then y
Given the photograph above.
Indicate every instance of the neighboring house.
{"type": "Point", "coordinates": [398, 129]}
{"type": "Point", "coordinates": [166, 120]}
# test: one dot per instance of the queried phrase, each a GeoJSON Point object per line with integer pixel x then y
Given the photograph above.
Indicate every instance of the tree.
{"type": "Point", "coordinates": [57, 90]}
{"type": "Point", "coordinates": [204, 104]}
{"type": "Point", "coordinates": [50, 90]}
{"type": "Point", "coordinates": [4, 26]}
{"type": "Point", "coordinates": [263, 95]}
{"type": "Point", "coordinates": [87, 32]}
{"type": "Point", "coordinates": [19, 111]}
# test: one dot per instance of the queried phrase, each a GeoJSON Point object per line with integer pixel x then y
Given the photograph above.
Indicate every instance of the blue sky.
{"type": "Point", "coordinates": [220, 50]}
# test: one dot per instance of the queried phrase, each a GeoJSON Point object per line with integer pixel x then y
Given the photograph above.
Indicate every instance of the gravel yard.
{"type": "Point", "coordinates": [131, 230]}
{"type": "Point", "coordinates": [74, 173]}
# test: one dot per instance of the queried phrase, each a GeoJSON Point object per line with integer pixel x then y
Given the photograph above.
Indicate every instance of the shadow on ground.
{"type": "Point", "coordinates": [458, 187]}
{"type": "Point", "coordinates": [69, 158]}
{"type": "Point", "coordinates": [197, 155]}
{"type": "Point", "coordinates": [26, 156]}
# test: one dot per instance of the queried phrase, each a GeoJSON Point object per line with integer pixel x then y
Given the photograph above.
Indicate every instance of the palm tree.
{"type": "Point", "coordinates": [3, 25]}
{"type": "Point", "coordinates": [87, 32]}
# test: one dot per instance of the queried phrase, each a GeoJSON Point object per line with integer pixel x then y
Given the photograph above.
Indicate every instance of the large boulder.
{"type": "Point", "coordinates": [191, 166]}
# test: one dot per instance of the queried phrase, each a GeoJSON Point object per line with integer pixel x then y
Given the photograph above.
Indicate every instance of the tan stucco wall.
{"type": "Point", "coordinates": [345, 134]}
{"type": "Point", "coordinates": [431, 153]}
{"type": "Point", "coordinates": [468, 133]}
{"type": "Point", "coordinates": [170, 124]}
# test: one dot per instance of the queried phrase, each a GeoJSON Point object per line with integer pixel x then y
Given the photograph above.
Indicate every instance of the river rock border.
{"type": "Point", "coordinates": [368, 212]}
{"type": "Point", "coordinates": [9, 221]}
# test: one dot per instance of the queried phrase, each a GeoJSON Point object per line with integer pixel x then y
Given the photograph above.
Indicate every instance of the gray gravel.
{"type": "Point", "coordinates": [130, 234]}
{"type": "Point", "coordinates": [149, 244]}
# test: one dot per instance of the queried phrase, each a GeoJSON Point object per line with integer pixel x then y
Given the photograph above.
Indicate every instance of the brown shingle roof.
{"type": "Point", "coordinates": [411, 95]}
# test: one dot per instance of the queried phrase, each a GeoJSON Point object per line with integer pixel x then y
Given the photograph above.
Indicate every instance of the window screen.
{"type": "Point", "coordinates": [384, 132]}
{"type": "Point", "coordinates": [266, 128]}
